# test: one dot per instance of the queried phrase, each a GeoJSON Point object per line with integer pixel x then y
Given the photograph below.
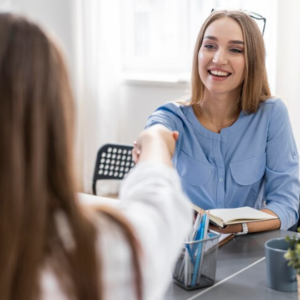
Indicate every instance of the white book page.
{"type": "Point", "coordinates": [240, 214]}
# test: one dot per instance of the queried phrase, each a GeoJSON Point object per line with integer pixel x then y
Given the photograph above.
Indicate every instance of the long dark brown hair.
{"type": "Point", "coordinates": [36, 173]}
{"type": "Point", "coordinates": [255, 87]}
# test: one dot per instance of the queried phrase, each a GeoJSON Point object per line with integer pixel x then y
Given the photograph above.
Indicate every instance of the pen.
{"type": "Point", "coordinates": [199, 246]}
{"type": "Point", "coordinates": [203, 245]}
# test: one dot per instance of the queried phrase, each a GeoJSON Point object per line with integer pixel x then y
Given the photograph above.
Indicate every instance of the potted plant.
{"type": "Point", "coordinates": [293, 256]}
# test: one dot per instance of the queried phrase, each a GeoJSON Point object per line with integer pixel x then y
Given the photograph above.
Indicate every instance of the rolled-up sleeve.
{"type": "Point", "coordinates": [282, 168]}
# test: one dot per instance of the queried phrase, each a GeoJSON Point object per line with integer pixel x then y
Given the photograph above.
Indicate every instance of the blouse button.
{"type": "Point", "coordinates": [295, 154]}
{"type": "Point", "coordinates": [221, 179]}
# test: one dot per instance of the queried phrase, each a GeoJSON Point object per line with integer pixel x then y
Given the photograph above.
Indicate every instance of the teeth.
{"type": "Point", "coordinates": [219, 73]}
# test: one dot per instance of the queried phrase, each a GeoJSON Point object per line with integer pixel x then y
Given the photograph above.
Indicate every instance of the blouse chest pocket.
{"type": "Point", "coordinates": [193, 171]}
{"type": "Point", "coordinates": [249, 171]}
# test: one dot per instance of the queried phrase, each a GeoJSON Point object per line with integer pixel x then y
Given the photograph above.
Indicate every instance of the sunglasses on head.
{"type": "Point", "coordinates": [252, 15]}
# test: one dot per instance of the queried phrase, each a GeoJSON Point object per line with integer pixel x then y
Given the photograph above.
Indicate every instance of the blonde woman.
{"type": "Point", "coordinates": [51, 247]}
{"type": "Point", "coordinates": [236, 146]}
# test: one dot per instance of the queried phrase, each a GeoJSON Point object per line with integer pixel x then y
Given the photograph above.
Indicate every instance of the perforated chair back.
{"type": "Point", "coordinates": [113, 162]}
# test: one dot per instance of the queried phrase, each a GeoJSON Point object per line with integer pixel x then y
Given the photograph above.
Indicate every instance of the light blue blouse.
{"type": "Point", "coordinates": [252, 163]}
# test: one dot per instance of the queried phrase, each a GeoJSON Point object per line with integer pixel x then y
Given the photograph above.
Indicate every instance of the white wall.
{"type": "Point", "coordinates": [139, 100]}
{"type": "Point", "coordinates": [288, 60]}
{"type": "Point", "coordinates": [56, 16]}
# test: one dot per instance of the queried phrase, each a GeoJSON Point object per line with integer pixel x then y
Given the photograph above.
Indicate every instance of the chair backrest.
{"type": "Point", "coordinates": [113, 162]}
{"type": "Point", "coordinates": [297, 225]}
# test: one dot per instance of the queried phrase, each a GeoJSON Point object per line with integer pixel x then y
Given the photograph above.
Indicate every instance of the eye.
{"type": "Point", "coordinates": [209, 46]}
{"type": "Point", "coordinates": [236, 50]}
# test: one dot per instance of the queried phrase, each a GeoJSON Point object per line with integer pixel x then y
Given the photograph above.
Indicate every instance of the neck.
{"type": "Point", "coordinates": [220, 109]}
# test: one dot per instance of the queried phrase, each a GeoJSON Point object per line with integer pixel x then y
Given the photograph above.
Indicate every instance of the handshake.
{"type": "Point", "coordinates": [155, 144]}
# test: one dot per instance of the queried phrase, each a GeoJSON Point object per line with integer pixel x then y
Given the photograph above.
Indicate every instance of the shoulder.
{"type": "Point", "coordinates": [177, 108]}
{"type": "Point", "coordinates": [276, 113]}
{"type": "Point", "coordinates": [173, 115]}
{"type": "Point", "coordinates": [177, 111]}
{"type": "Point", "coordinates": [273, 109]}
{"type": "Point", "coordinates": [273, 103]}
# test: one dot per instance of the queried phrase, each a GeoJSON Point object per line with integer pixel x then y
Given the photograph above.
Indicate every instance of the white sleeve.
{"type": "Point", "coordinates": [153, 202]}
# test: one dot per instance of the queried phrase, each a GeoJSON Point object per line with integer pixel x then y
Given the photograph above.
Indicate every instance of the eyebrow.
{"type": "Point", "coordinates": [231, 42]}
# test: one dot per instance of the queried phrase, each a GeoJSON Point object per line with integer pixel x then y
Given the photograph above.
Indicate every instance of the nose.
{"type": "Point", "coordinates": [220, 57]}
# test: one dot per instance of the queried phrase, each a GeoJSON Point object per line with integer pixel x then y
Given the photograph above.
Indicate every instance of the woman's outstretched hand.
{"type": "Point", "coordinates": [156, 143]}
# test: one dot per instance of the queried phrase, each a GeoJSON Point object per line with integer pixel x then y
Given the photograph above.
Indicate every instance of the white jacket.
{"type": "Point", "coordinates": [153, 202]}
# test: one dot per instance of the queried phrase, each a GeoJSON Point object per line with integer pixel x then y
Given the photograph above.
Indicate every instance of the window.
{"type": "Point", "coordinates": [156, 36]}
{"type": "Point", "coordinates": [159, 35]}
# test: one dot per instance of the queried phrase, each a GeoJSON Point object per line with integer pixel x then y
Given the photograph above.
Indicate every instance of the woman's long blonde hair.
{"type": "Point", "coordinates": [255, 87]}
{"type": "Point", "coordinates": [36, 174]}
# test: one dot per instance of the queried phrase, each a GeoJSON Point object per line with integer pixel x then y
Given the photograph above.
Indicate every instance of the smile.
{"type": "Point", "coordinates": [219, 73]}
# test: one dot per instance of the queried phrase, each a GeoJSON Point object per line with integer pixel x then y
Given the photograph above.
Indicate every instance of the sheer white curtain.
{"type": "Point", "coordinates": [97, 81]}
{"type": "Point", "coordinates": [288, 61]}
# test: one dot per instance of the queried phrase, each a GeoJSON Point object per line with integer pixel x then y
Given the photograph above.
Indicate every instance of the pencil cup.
{"type": "Point", "coordinates": [196, 266]}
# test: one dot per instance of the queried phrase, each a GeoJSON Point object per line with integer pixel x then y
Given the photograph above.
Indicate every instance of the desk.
{"type": "Point", "coordinates": [87, 199]}
{"type": "Point", "coordinates": [240, 274]}
{"type": "Point", "coordinates": [241, 269]}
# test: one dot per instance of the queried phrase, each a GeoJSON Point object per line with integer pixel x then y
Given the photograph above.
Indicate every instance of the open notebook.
{"type": "Point", "coordinates": [227, 216]}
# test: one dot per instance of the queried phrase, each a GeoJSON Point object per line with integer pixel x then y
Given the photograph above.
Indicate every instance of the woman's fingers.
{"type": "Point", "coordinates": [135, 152]}
{"type": "Point", "coordinates": [175, 135]}
{"type": "Point", "coordinates": [156, 141]}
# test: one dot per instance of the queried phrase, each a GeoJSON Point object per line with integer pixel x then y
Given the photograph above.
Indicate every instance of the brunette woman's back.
{"type": "Point", "coordinates": [51, 248]}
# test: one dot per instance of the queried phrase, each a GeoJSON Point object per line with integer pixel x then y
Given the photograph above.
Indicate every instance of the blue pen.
{"type": "Point", "coordinates": [190, 249]}
{"type": "Point", "coordinates": [203, 250]}
{"type": "Point", "coordinates": [197, 234]}
{"type": "Point", "coordinates": [197, 263]}
{"type": "Point", "coordinates": [190, 253]}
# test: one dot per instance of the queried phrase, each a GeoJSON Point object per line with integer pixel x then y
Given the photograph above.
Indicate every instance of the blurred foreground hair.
{"type": "Point", "coordinates": [36, 174]}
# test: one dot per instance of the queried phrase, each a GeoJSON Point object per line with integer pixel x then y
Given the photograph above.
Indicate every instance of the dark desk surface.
{"type": "Point", "coordinates": [240, 274]}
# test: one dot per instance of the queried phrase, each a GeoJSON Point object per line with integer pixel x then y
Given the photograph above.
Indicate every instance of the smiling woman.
{"type": "Point", "coordinates": [236, 146]}
{"type": "Point", "coordinates": [221, 61]}
{"type": "Point", "coordinates": [242, 39]}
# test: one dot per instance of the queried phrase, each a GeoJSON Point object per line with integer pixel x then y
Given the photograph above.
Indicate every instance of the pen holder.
{"type": "Point", "coordinates": [196, 266]}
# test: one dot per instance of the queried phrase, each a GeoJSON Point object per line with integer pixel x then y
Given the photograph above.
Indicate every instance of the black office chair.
{"type": "Point", "coordinates": [295, 226]}
{"type": "Point", "coordinates": [113, 162]}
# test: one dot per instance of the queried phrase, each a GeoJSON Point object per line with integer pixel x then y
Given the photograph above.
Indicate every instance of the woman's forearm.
{"type": "Point", "coordinates": [252, 226]}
